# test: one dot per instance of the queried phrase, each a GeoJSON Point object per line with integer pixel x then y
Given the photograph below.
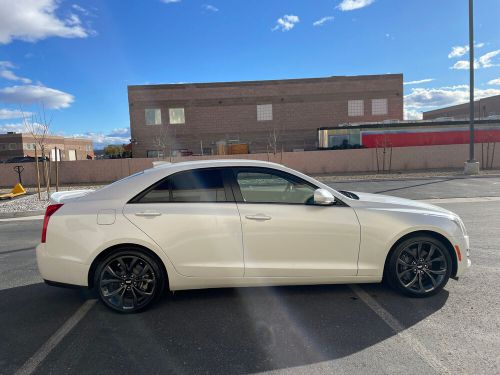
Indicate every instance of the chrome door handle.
{"type": "Point", "coordinates": [260, 217]}
{"type": "Point", "coordinates": [148, 213]}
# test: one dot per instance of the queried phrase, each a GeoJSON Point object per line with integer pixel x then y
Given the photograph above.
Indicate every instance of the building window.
{"type": "Point", "coordinates": [29, 146]}
{"type": "Point", "coordinates": [176, 116]}
{"type": "Point", "coordinates": [12, 146]}
{"type": "Point", "coordinates": [264, 112]}
{"type": "Point", "coordinates": [154, 154]}
{"type": "Point", "coordinates": [379, 106]}
{"type": "Point", "coordinates": [355, 108]}
{"type": "Point", "coordinates": [88, 148]}
{"type": "Point", "coordinates": [153, 116]}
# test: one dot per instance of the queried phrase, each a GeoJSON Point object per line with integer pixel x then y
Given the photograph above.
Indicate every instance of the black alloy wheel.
{"type": "Point", "coordinates": [419, 266]}
{"type": "Point", "coordinates": [128, 281]}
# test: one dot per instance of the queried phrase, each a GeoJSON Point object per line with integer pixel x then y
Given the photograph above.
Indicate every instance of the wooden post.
{"type": "Point", "coordinates": [37, 174]}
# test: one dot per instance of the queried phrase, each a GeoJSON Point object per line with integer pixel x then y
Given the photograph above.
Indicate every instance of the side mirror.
{"type": "Point", "coordinates": [323, 197]}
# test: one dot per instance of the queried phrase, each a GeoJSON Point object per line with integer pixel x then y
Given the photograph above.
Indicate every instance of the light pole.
{"type": "Point", "coordinates": [471, 165]}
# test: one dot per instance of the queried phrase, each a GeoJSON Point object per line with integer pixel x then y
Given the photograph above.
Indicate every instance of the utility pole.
{"type": "Point", "coordinates": [471, 165]}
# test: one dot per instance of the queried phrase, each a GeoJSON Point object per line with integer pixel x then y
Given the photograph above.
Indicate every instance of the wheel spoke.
{"type": "Point", "coordinates": [433, 280]}
{"type": "Point", "coordinates": [110, 281]}
{"type": "Point", "coordinates": [111, 272]}
{"type": "Point", "coordinates": [141, 292]}
{"type": "Point", "coordinates": [437, 272]}
{"type": "Point", "coordinates": [419, 250]}
{"type": "Point", "coordinates": [431, 252]}
{"type": "Point", "coordinates": [420, 285]}
{"type": "Point", "coordinates": [404, 272]}
{"type": "Point", "coordinates": [402, 262]}
{"type": "Point", "coordinates": [132, 264]}
{"type": "Point", "coordinates": [438, 259]}
{"type": "Point", "coordinates": [115, 292]}
{"type": "Point", "coordinates": [411, 282]}
{"type": "Point", "coordinates": [144, 270]}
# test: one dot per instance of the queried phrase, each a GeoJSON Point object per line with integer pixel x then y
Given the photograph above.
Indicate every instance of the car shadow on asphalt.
{"type": "Point", "coordinates": [236, 330]}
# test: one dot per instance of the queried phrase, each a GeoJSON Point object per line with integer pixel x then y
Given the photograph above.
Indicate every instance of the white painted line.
{"type": "Point", "coordinates": [461, 200]}
{"type": "Point", "coordinates": [31, 364]}
{"type": "Point", "coordinates": [401, 332]}
{"type": "Point", "coordinates": [24, 218]}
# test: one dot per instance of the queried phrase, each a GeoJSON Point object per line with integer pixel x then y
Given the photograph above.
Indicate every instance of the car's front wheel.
{"type": "Point", "coordinates": [419, 266]}
{"type": "Point", "coordinates": [128, 280]}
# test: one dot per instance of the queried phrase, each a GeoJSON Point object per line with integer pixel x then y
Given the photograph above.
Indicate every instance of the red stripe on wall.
{"type": "Point", "coordinates": [428, 138]}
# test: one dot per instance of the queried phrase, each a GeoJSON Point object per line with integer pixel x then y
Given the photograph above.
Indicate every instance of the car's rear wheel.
{"type": "Point", "coordinates": [420, 266]}
{"type": "Point", "coordinates": [129, 280]}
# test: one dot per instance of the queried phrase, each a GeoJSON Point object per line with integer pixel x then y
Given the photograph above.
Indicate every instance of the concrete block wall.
{"type": "Point", "coordinates": [309, 162]}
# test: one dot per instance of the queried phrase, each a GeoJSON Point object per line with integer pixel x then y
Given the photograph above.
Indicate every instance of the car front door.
{"type": "Point", "coordinates": [192, 216]}
{"type": "Point", "coordinates": [285, 234]}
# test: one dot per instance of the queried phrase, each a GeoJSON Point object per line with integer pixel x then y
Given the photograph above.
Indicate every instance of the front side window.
{"type": "Point", "coordinates": [355, 108]}
{"type": "Point", "coordinates": [270, 187]}
{"type": "Point", "coordinates": [189, 186]}
{"type": "Point", "coordinates": [176, 116]}
{"type": "Point", "coordinates": [153, 116]}
{"type": "Point", "coordinates": [154, 154]}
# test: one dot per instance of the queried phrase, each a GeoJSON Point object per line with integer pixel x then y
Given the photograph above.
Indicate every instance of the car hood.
{"type": "Point", "coordinates": [386, 202]}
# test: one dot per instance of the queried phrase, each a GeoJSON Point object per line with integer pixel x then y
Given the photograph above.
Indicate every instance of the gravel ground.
{"type": "Point", "coordinates": [31, 203]}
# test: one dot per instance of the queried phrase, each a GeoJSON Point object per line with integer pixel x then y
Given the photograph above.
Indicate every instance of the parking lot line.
{"type": "Point", "coordinates": [403, 334]}
{"type": "Point", "coordinates": [31, 364]}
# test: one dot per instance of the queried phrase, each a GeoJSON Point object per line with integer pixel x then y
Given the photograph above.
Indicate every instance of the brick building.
{"type": "Point", "coordinates": [483, 109]}
{"type": "Point", "coordinates": [23, 144]}
{"type": "Point", "coordinates": [255, 116]}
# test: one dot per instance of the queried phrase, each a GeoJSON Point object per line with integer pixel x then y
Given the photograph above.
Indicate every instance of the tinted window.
{"type": "Point", "coordinates": [269, 187]}
{"type": "Point", "coordinates": [189, 186]}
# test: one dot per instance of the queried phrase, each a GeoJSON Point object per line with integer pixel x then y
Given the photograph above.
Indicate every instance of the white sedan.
{"type": "Point", "coordinates": [235, 223]}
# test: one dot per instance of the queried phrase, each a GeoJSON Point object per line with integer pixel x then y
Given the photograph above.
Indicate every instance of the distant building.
{"type": "Point", "coordinates": [255, 116]}
{"type": "Point", "coordinates": [23, 144]}
{"type": "Point", "coordinates": [483, 109]}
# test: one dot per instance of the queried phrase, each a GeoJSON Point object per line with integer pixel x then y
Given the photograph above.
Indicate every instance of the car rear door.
{"type": "Point", "coordinates": [193, 217]}
{"type": "Point", "coordinates": [285, 234]}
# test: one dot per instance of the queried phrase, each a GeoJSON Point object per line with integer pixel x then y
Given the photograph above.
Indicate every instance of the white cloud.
{"type": "Point", "coordinates": [80, 9]}
{"type": "Point", "coordinates": [210, 8]}
{"type": "Point", "coordinates": [323, 20]}
{"type": "Point", "coordinates": [347, 5]}
{"type": "Point", "coordinates": [170, 1]}
{"type": "Point", "coordinates": [8, 114]}
{"type": "Point", "coordinates": [8, 74]}
{"type": "Point", "coordinates": [100, 140]}
{"type": "Point", "coordinates": [412, 114]}
{"type": "Point", "coordinates": [425, 80]}
{"type": "Point", "coordinates": [32, 20]}
{"type": "Point", "coordinates": [286, 23]}
{"type": "Point", "coordinates": [485, 61]}
{"type": "Point", "coordinates": [458, 51]}
{"type": "Point", "coordinates": [16, 128]}
{"type": "Point", "coordinates": [34, 94]}
{"type": "Point", "coordinates": [421, 99]}
{"type": "Point", "coordinates": [494, 82]}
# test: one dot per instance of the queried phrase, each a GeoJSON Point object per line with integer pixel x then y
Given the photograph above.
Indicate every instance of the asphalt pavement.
{"type": "Point", "coordinates": [293, 330]}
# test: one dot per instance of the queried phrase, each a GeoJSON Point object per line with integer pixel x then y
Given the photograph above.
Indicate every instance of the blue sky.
{"type": "Point", "coordinates": [77, 57]}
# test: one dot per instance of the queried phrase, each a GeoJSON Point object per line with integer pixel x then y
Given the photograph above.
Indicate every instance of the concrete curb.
{"type": "Point", "coordinates": [10, 215]}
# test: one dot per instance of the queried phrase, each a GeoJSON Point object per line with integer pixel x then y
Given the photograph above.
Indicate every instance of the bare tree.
{"type": "Point", "coordinates": [38, 125]}
{"type": "Point", "coordinates": [164, 142]}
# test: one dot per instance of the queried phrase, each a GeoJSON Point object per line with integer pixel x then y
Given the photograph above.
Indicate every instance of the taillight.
{"type": "Point", "coordinates": [48, 213]}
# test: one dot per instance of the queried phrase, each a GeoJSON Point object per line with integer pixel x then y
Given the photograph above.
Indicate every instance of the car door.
{"type": "Point", "coordinates": [192, 216]}
{"type": "Point", "coordinates": [285, 234]}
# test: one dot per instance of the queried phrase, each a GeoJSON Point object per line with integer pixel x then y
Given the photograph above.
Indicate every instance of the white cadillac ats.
{"type": "Point", "coordinates": [231, 223]}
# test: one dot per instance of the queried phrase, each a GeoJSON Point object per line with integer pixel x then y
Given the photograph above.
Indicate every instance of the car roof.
{"type": "Point", "coordinates": [194, 164]}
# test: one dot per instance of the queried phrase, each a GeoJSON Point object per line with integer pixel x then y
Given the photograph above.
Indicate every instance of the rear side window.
{"type": "Point", "coordinates": [188, 186]}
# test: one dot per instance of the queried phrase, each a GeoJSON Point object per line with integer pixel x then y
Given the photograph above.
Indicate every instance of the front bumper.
{"type": "Point", "coordinates": [462, 254]}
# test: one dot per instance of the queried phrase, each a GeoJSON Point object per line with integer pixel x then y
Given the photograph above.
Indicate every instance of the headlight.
{"type": "Point", "coordinates": [461, 225]}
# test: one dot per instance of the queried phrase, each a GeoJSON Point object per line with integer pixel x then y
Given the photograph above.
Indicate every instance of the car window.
{"type": "Point", "coordinates": [269, 187]}
{"type": "Point", "coordinates": [188, 186]}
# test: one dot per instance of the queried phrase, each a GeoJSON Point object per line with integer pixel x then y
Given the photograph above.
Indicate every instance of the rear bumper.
{"type": "Point", "coordinates": [60, 270]}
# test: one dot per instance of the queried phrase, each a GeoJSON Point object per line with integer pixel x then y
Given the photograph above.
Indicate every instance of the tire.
{"type": "Point", "coordinates": [129, 280]}
{"type": "Point", "coordinates": [419, 266]}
